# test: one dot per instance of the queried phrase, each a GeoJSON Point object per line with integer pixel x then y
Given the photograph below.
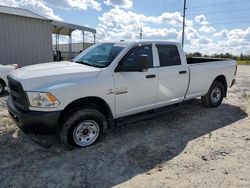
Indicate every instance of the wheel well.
{"type": "Point", "coordinates": [1, 80]}
{"type": "Point", "coordinates": [95, 102]}
{"type": "Point", "coordinates": [222, 79]}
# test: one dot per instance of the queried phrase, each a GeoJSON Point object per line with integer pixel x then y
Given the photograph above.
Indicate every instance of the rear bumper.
{"type": "Point", "coordinates": [34, 121]}
{"type": "Point", "coordinates": [233, 82]}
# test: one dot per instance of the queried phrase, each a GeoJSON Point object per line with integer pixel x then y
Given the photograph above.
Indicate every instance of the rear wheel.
{"type": "Point", "coordinates": [214, 96]}
{"type": "Point", "coordinates": [83, 128]}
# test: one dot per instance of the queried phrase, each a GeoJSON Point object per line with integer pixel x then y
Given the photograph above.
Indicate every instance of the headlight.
{"type": "Point", "coordinates": [42, 100]}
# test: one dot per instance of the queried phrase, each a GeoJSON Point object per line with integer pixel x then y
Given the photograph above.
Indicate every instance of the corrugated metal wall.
{"type": "Point", "coordinates": [24, 41]}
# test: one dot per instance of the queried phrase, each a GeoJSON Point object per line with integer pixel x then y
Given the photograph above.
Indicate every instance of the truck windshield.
{"type": "Point", "coordinates": [99, 56]}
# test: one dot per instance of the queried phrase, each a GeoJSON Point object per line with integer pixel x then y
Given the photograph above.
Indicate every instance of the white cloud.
{"type": "Point", "coordinates": [191, 35]}
{"type": "Point", "coordinates": [204, 40]}
{"type": "Point", "coordinates": [207, 29]}
{"type": "Point", "coordinates": [37, 6]}
{"type": "Point", "coordinates": [167, 34]}
{"type": "Point", "coordinates": [119, 3]}
{"type": "Point", "coordinates": [201, 19]}
{"type": "Point", "coordinates": [173, 18]}
{"type": "Point", "coordinates": [77, 37]}
{"type": "Point", "coordinates": [236, 34]}
{"type": "Point", "coordinates": [120, 24]}
{"type": "Point", "coordinates": [84, 4]}
{"type": "Point", "coordinates": [223, 34]}
{"type": "Point", "coordinates": [11, 3]}
{"type": "Point", "coordinates": [233, 41]}
{"type": "Point", "coordinates": [117, 24]}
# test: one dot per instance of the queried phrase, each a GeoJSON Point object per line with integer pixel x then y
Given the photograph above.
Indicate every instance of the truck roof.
{"type": "Point", "coordinates": [130, 41]}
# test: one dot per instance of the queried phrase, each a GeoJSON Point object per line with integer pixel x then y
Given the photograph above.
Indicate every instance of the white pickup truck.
{"type": "Point", "coordinates": [81, 99]}
{"type": "Point", "coordinates": [4, 71]}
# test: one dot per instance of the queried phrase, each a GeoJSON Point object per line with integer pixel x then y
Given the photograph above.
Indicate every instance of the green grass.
{"type": "Point", "coordinates": [243, 62]}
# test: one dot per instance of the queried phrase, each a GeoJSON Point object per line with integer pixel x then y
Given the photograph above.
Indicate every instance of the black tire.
{"type": "Point", "coordinates": [2, 86]}
{"type": "Point", "coordinates": [207, 100]}
{"type": "Point", "coordinates": [67, 131]}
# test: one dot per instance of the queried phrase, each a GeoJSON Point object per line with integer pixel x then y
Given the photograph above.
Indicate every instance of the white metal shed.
{"type": "Point", "coordinates": [26, 37]}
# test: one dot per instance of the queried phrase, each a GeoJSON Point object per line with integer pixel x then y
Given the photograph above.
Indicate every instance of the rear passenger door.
{"type": "Point", "coordinates": [173, 76]}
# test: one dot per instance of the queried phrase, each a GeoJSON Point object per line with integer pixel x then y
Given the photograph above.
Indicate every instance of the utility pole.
{"type": "Point", "coordinates": [140, 32]}
{"type": "Point", "coordinates": [183, 26]}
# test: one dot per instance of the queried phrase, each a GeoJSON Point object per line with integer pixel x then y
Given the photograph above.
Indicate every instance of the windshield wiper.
{"type": "Point", "coordinates": [84, 63]}
{"type": "Point", "coordinates": [89, 64]}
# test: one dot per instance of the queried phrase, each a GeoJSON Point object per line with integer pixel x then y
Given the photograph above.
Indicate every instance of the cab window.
{"type": "Point", "coordinates": [168, 55]}
{"type": "Point", "coordinates": [130, 59]}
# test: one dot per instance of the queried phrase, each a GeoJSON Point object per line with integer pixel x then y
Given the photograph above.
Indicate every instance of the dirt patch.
{"type": "Point", "coordinates": [192, 147]}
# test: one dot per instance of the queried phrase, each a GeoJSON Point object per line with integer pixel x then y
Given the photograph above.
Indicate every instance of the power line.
{"type": "Point", "coordinates": [219, 12]}
{"type": "Point", "coordinates": [219, 4]}
{"type": "Point", "coordinates": [237, 17]}
{"type": "Point", "coordinates": [229, 23]}
{"type": "Point", "coordinates": [223, 11]}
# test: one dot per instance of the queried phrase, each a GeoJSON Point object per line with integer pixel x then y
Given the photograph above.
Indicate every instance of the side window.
{"type": "Point", "coordinates": [130, 59]}
{"type": "Point", "coordinates": [168, 55]}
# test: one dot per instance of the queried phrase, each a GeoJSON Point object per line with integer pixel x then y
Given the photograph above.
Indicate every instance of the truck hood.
{"type": "Point", "coordinates": [36, 76]}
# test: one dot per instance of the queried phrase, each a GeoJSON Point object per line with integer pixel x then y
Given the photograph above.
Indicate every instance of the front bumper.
{"type": "Point", "coordinates": [34, 121]}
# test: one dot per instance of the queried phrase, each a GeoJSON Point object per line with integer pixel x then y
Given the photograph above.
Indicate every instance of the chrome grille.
{"type": "Point", "coordinates": [17, 94]}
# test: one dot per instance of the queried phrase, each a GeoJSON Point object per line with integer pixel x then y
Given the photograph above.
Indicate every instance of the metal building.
{"type": "Point", "coordinates": [26, 37]}
{"type": "Point", "coordinates": [76, 49]}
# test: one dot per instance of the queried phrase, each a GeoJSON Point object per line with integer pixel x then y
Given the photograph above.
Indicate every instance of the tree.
{"type": "Point", "coordinates": [197, 54]}
{"type": "Point", "coordinates": [241, 56]}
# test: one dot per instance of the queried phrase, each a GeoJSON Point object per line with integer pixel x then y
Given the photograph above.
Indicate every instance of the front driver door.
{"type": "Point", "coordinates": [135, 91]}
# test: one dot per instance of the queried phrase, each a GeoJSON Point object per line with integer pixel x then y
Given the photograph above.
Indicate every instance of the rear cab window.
{"type": "Point", "coordinates": [168, 55]}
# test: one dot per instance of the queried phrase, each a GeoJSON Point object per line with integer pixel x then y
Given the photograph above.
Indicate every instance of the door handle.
{"type": "Point", "coordinates": [183, 72]}
{"type": "Point", "coordinates": [151, 76]}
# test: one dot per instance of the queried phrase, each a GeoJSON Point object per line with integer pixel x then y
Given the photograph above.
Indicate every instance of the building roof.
{"type": "Point", "coordinates": [63, 28]}
{"type": "Point", "coordinates": [60, 28]}
{"type": "Point", "coordinates": [20, 12]}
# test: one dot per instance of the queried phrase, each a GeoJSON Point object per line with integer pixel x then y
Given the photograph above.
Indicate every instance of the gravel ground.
{"type": "Point", "coordinates": [192, 147]}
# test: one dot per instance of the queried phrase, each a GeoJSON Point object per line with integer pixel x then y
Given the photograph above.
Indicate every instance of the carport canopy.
{"type": "Point", "coordinates": [62, 28]}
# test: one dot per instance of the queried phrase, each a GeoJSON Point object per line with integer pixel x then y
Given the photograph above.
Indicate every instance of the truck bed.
{"type": "Point", "coordinates": [203, 71]}
{"type": "Point", "coordinates": [195, 60]}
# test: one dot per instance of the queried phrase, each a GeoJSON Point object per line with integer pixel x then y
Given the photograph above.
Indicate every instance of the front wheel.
{"type": "Point", "coordinates": [83, 128]}
{"type": "Point", "coordinates": [214, 96]}
{"type": "Point", "coordinates": [2, 86]}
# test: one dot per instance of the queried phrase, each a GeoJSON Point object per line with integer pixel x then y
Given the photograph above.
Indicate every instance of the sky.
{"type": "Point", "coordinates": [211, 26]}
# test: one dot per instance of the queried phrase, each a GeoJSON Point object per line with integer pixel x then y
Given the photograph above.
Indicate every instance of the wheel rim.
{"type": "Point", "coordinates": [216, 95]}
{"type": "Point", "coordinates": [86, 133]}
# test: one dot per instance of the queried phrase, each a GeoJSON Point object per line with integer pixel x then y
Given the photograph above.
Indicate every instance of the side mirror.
{"type": "Point", "coordinates": [142, 63]}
